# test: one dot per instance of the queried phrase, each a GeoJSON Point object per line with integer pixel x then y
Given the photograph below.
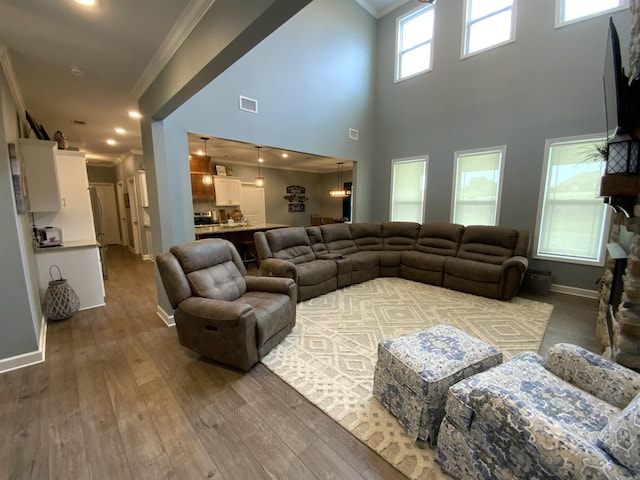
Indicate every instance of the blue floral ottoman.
{"type": "Point", "coordinates": [413, 375]}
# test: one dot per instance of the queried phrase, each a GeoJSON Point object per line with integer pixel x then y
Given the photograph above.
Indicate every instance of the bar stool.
{"type": "Point", "coordinates": [245, 253]}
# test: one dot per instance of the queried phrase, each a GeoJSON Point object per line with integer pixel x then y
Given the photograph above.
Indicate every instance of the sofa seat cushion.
{"type": "Point", "coordinates": [363, 260]}
{"type": "Point", "coordinates": [316, 271]}
{"type": "Point", "coordinates": [479, 271]}
{"type": "Point", "coordinates": [273, 313]}
{"type": "Point", "coordinates": [574, 409]}
{"type": "Point", "coordinates": [423, 261]}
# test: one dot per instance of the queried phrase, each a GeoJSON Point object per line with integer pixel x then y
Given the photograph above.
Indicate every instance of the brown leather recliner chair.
{"type": "Point", "coordinates": [220, 311]}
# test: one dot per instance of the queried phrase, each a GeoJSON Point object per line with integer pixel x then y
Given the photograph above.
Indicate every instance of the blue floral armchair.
{"type": "Point", "coordinates": [571, 415]}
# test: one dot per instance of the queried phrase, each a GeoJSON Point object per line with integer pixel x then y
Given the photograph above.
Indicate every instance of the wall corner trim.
{"type": "Point", "coordinates": [166, 318]}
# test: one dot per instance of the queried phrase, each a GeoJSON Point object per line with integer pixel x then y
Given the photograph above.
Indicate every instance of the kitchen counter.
{"type": "Point", "coordinates": [67, 245]}
{"type": "Point", "coordinates": [206, 231]}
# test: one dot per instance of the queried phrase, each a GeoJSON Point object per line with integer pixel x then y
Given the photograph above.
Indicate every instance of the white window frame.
{"type": "Point", "coordinates": [466, 27]}
{"type": "Point", "coordinates": [502, 149]}
{"type": "Point", "coordinates": [542, 194]}
{"type": "Point", "coordinates": [425, 169]}
{"type": "Point", "coordinates": [399, 21]}
{"type": "Point", "coordinates": [560, 4]}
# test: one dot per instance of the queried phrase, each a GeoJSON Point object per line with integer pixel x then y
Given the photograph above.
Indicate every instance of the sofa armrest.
{"type": "Point", "coordinates": [518, 263]}
{"type": "Point", "coordinates": [216, 312]}
{"type": "Point", "coordinates": [275, 267]}
{"type": "Point", "coordinates": [553, 447]}
{"type": "Point", "coordinates": [512, 272]}
{"type": "Point", "coordinates": [607, 380]}
{"type": "Point", "coordinates": [282, 285]}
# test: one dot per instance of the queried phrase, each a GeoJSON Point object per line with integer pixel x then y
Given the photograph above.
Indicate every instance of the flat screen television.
{"type": "Point", "coordinates": [620, 97]}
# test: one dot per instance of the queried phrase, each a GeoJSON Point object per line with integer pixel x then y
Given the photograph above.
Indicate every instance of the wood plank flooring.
{"type": "Point", "coordinates": [119, 398]}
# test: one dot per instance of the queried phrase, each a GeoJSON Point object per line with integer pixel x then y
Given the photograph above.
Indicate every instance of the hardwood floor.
{"type": "Point", "coordinates": [119, 398]}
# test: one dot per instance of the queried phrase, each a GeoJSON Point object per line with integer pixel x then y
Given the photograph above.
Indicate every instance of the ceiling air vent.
{"type": "Point", "coordinates": [353, 134]}
{"type": "Point", "coordinates": [248, 104]}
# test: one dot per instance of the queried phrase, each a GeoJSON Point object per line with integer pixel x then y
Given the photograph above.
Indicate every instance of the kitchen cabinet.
{"type": "Point", "coordinates": [201, 186]}
{"type": "Point", "coordinates": [74, 215]}
{"type": "Point", "coordinates": [227, 190]}
{"type": "Point", "coordinates": [41, 174]}
{"type": "Point", "coordinates": [79, 264]}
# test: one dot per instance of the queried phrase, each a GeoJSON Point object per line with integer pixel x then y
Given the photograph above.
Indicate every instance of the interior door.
{"type": "Point", "coordinates": [135, 223]}
{"type": "Point", "coordinates": [109, 228]}
{"type": "Point", "coordinates": [252, 203]}
{"type": "Point", "coordinates": [122, 212]}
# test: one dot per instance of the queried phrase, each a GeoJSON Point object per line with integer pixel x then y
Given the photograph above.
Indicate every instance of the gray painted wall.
{"type": "Point", "coordinates": [102, 174]}
{"type": "Point", "coordinates": [313, 79]}
{"type": "Point", "coordinates": [21, 317]}
{"type": "Point", "coordinates": [316, 189]}
{"type": "Point", "coordinates": [548, 84]}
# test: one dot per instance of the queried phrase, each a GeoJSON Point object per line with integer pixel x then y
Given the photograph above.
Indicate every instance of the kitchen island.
{"type": "Point", "coordinates": [240, 236]}
{"type": "Point", "coordinates": [226, 231]}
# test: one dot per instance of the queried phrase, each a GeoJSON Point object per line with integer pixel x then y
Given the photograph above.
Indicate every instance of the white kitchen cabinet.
{"type": "Point", "coordinates": [41, 174]}
{"type": "Point", "coordinates": [79, 264]}
{"type": "Point", "coordinates": [74, 215]}
{"type": "Point", "coordinates": [227, 190]}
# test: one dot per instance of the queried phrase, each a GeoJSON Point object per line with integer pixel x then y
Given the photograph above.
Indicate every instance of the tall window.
{"type": "Point", "coordinates": [477, 186]}
{"type": "Point", "coordinates": [408, 187]}
{"type": "Point", "coordinates": [572, 220]}
{"type": "Point", "coordinates": [414, 42]}
{"type": "Point", "coordinates": [488, 23]}
{"type": "Point", "coordinates": [570, 11]}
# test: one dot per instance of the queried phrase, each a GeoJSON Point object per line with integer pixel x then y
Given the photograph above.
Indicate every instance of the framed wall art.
{"type": "Point", "coordinates": [17, 177]}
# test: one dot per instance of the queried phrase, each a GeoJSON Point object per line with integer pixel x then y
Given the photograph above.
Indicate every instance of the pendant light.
{"type": "Point", "coordinates": [206, 179]}
{"type": "Point", "coordinates": [259, 179]}
{"type": "Point", "coordinates": [339, 192]}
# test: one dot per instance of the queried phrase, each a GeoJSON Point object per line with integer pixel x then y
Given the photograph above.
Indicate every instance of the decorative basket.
{"type": "Point", "coordinates": [60, 301]}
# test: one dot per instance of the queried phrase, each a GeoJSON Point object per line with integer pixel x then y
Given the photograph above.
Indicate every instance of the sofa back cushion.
{"type": "Point", "coordinates": [399, 235]}
{"type": "Point", "coordinates": [291, 243]}
{"type": "Point", "coordinates": [439, 238]}
{"type": "Point", "coordinates": [367, 236]}
{"type": "Point", "coordinates": [487, 244]}
{"type": "Point", "coordinates": [337, 238]}
{"type": "Point", "coordinates": [213, 268]}
{"type": "Point", "coordinates": [315, 240]}
{"type": "Point", "coordinates": [621, 437]}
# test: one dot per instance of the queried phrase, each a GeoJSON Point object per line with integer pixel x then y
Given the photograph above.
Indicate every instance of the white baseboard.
{"type": "Point", "coordinates": [166, 318]}
{"type": "Point", "coordinates": [578, 292]}
{"type": "Point", "coordinates": [26, 359]}
{"type": "Point", "coordinates": [148, 256]}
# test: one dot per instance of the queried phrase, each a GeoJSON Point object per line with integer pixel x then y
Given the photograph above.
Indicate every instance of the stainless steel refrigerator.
{"type": "Point", "coordinates": [96, 208]}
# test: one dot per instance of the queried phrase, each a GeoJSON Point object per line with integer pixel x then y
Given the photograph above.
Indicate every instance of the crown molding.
{"type": "Point", "coordinates": [186, 22]}
{"type": "Point", "coordinates": [12, 79]}
{"type": "Point", "coordinates": [377, 12]}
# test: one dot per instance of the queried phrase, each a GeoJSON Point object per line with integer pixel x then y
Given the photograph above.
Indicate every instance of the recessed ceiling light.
{"type": "Point", "coordinates": [120, 131]}
{"type": "Point", "coordinates": [111, 141]}
{"type": "Point", "coordinates": [134, 114]}
{"type": "Point", "coordinates": [86, 3]}
{"type": "Point", "coordinates": [77, 71]}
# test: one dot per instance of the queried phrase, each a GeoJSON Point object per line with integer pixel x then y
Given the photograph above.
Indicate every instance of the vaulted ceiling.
{"type": "Point", "coordinates": [80, 69]}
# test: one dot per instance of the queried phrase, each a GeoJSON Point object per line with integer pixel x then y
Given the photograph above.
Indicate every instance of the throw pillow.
{"type": "Point", "coordinates": [621, 437]}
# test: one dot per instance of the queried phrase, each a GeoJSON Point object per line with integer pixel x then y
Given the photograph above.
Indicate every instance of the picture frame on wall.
{"type": "Point", "coordinates": [17, 177]}
{"type": "Point", "coordinates": [221, 170]}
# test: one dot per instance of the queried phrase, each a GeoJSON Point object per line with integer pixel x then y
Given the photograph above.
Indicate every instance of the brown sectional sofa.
{"type": "Point", "coordinates": [483, 260]}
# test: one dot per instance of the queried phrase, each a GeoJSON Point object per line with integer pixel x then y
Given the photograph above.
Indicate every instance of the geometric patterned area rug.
{"type": "Point", "coordinates": [330, 355]}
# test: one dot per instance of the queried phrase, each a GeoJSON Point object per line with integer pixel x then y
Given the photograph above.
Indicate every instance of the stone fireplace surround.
{"type": "Point", "coordinates": [618, 324]}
